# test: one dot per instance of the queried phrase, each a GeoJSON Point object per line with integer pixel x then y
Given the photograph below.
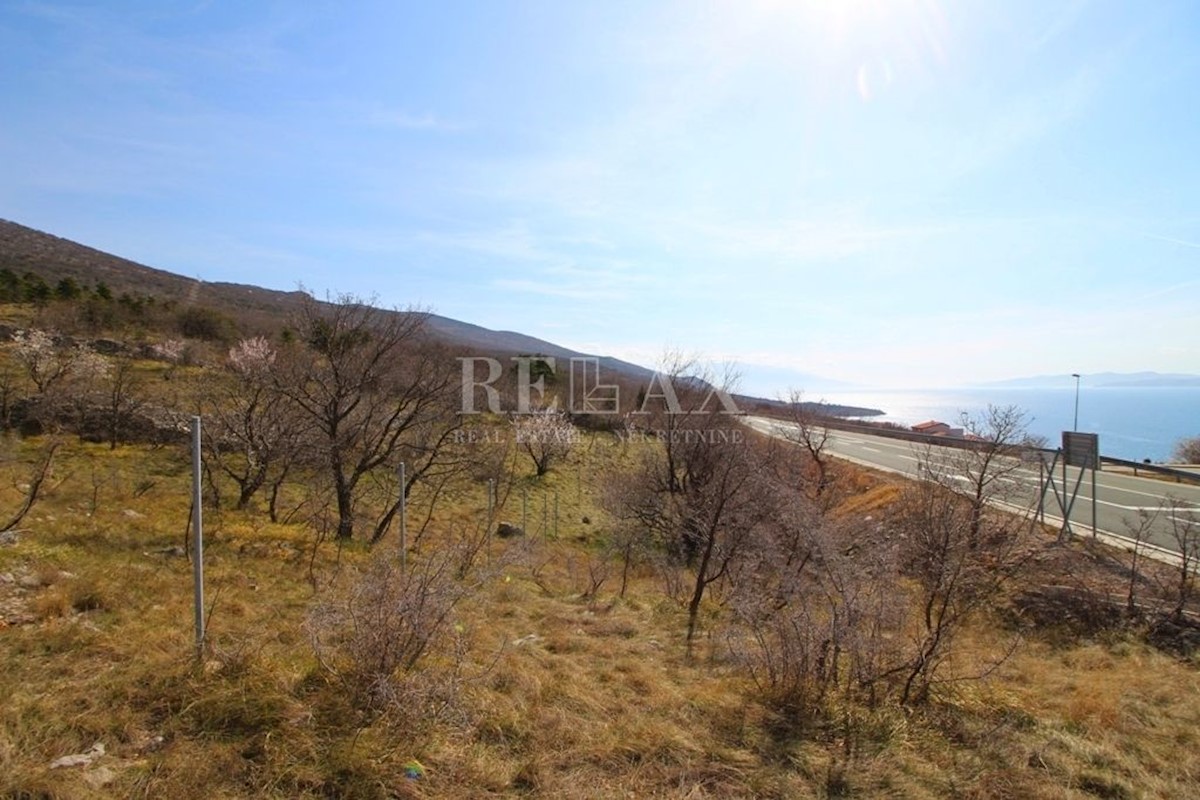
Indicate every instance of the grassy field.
{"type": "Point", "coordinates": [494, 667]}
{"type": "Point", "coordinates": [548, 684]}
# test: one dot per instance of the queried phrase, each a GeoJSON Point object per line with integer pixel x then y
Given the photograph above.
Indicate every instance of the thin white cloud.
{"type": "Point", "coordinates": [406, 121]}
{"type": "Point", "coordinates": [1022, 121]}
{"type": "Point", "coordinates": [1065, 18]}
{"type": "Point", "coordinates": [1170, 291]}
{"type": "Point", "coordinates": [603, 281]}
{"type": "Point", "coordinates": [551, 288]}
{"type": "Point", "coordinates": [52, 12]}
{"type": "Point", "coordinates": [514, 241]}
{"type": "Point", "coordinates": [1173, 240]}
{"type": "Point", "coordinates": [820, 239]}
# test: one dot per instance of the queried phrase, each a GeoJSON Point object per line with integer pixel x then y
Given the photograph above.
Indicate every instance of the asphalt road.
{"type": "Point", "coordinates": [1120, 499]}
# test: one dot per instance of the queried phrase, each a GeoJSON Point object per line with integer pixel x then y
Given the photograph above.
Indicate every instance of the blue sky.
{"type": "Point", "coordinates": [904, 193]}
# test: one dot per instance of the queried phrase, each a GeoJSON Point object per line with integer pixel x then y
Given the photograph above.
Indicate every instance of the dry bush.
{"type": "Point", "coordinates": [808, 430]}
{"type": "Point", "coordinates": [30, 486]}
{"type": "Point", "coordinates": [1187, 450]}
{"type": "Point", "coordinates": [546, 436]}
{"type": "Point", "coordinates": [817, 628]}
{"type": "Point", "coordinates": [960, 560]}
{"type": "Point", "coordinates": [841, 612]}
{"type": "Point", "coordinates": [467, 546]}
{"type": "Point", "coordinates": [641, 519]}
{"type": "Point", "coordinates": [588, 572]}
{"type": "Point", "coordinates": [388, 642]}
{"type": "Point", "coordinates": [63, 598]}
{"type": "Point", "coordinates": [1185, 533]}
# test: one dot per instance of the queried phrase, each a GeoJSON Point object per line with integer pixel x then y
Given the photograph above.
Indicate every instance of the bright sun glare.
{"type": "Point", "coordinates": [869, 43]}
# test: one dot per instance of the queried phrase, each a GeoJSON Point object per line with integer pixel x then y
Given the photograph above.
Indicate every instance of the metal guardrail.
{"type": "Point", "coordinates": [1180, 475]}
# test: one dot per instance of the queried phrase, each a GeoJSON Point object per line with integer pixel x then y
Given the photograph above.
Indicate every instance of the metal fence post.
{"type": "Point", "coordinates": [403, 522]}
{"type": "Point", "coordinates": [198, 538]}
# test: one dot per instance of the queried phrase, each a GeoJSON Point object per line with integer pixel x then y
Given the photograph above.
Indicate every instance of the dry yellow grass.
{"type": "Point", "coordinates": [564, 694]}
{"type": "Point", "coordinates": [870, 500]}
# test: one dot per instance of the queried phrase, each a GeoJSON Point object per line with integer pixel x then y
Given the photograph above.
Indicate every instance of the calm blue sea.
{"type": "Point", "coordinates": [1133, 423]}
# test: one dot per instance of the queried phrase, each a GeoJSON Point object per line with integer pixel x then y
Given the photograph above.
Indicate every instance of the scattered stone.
{"type": "Point", "coordinates": [7, 577]}
{"type": "Point", "coordinates": [150, 744]}
{"type": "Point", "coordinates": [99, 777]}
{"type": "Point", "coordinates": [129, 512]}
{"type": "Point", "coordinates": [9, 538]}
{"type": "Point", "coordinates": [174, 551]}
{"type": "Point", "coordinates": [28, 581]}
{"type": "Point", "coordinates": [108, 347]}
{"type": "Point", "coordinates": [13, 612]}
{"type": "Point", "coordinates": [532, 638]}
{"type": "Point", "coordinates": [506, 530]}
{"type": "Point", "coordinates": [79, 759]}
{"type": "Point", "coordinates": [1175, 635]}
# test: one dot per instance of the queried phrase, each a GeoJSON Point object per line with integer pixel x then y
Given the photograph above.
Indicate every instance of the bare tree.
{"type": "Point", "coordinates": [65, 377]}
{"type": "Point", "coordinates": [1137, 533]}
{"type": "Point", "coordinates": [10, 393]}
{"type": "Point", "coordinates": [982, 470]}
{"type": "Point", "coordinates": [957, 571]}
{"type": "Point", "coordinates": [641, 522]}
{"type": "Point", "coordinates": [122, 398]}
{"type": "Point", "coordinates": [1185, 533]}
{"type": "Point", "coordinates": [685, 400]}
{"type": "Point", "coordinates": [33, 483]}
{"type": "Point", "coordinates": [546, 436]}
{"type": "Point", "coordinates": [809, 431]}
{"type": "Point", "coordinates": [1187, 451]}
{"type": "Point", "coordinates": [726, 501]}
{"type": "Point", "coordinates": [705, 486]}
{"type": "Point", "coordinates": [172, 351]}
{"type": "Point", "coordinates": [366, 378]}
{"type": "Point", "coordinates": [45, 363]}
{"type": "Point", "coordinates": [431, 451]}
{"type": "Point", "coordinates": [255, 433]}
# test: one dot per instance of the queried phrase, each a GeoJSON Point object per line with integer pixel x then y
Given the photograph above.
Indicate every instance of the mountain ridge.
{"type": "Point", "coordinates": [1099, 380]}
{"type": "Point", "coordinates": [24, 249]}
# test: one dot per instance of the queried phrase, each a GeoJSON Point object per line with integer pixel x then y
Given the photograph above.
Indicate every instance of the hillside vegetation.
{"type": "Point", "coordinates": [660, 605]}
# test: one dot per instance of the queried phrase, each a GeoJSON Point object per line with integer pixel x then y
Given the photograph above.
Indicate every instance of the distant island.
{"type": "Point", "coordinates": [762, 405]}
{"type": "Point", "coordinates": [1100, 380]}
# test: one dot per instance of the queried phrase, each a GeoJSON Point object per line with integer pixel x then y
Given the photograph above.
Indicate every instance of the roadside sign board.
{"type": "Point", "coordinates": [1081, 449]}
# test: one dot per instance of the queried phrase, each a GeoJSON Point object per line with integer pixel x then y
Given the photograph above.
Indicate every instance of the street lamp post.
{"type": "Point", "coordinates": [1075, 375]}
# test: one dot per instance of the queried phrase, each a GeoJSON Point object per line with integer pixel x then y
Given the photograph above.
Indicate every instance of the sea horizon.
{"type": "Point", "coordinates": [1135, 423]}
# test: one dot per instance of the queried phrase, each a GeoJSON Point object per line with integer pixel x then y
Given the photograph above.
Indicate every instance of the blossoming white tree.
{"type": "Point", "coordinates": [64, 378]}
{"type": "Point", "coordinates": [48, 365]}
{"type": "Point", "coordinates": [254, 432]}
{"type": "Point", "coordinates": [545, 435]}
